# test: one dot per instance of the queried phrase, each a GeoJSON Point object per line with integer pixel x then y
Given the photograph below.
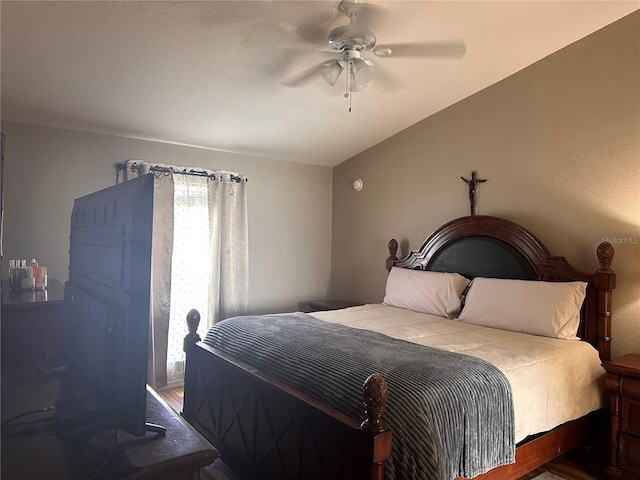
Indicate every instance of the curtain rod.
{"type": "Point", "coordinates": [159, 171]}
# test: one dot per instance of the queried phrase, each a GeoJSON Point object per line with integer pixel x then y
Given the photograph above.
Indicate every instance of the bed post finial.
{"type": "Point", "coordinates": [605, 254]}
{"type": "Point", "coordinates": [375, 394]}
{"type": "Point", "coordinates": [374, 397]}
{"type": "Point", "coordinates": [193, 320]}
{"type": "Point", "coordinates": [393, 249]}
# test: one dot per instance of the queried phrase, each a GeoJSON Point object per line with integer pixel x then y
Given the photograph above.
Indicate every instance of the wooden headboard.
{"type": "Point", "coordinates": [485, 246]}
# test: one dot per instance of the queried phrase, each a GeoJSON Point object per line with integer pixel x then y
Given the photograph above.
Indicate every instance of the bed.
{"type": "Point", "coordinates": [266, 428]}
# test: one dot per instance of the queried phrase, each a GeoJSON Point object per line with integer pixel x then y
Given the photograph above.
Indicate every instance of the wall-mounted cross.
{"type": "Point", "coordinates": [473, 185]}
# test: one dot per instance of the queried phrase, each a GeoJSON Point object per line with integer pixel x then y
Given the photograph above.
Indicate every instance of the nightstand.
{"type": "Point", "coordinates": [623, 384]}
{"type": "Point", "coordinates": [319, 305]}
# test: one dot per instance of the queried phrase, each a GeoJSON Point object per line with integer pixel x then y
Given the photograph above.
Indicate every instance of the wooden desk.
{"type": "Point", "coordinates": [177, 456]}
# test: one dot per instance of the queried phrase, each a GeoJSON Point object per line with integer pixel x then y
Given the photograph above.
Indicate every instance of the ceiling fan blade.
{"type": "Point", "coordinates": [283, 60]}
{"type": "Point", "coordinates": [300, 79]}
{"type": "Point", "coordinates": [316, 29]}
{"type": "Point", "coordinates": [453, 49]}
{"type": "Point", "coordinates": [315, 34]}
{"type": "Point", "coordinates": [325, 50]}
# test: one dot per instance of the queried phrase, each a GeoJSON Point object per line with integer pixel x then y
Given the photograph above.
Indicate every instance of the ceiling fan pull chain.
{"type": "Point", "coordinates": [347, 83]}
{"type": "Point", "coordinates": [346, 80]}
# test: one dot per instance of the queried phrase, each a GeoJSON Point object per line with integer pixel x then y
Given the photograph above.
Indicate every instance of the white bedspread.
{"type": "Point", "coordinates": [553, 381]}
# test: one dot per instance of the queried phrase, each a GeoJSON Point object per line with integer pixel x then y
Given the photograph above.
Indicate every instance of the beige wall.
{"type": "Point", "coordinates": [289, 206]}
{"type": "Point", "coordinates": [559, 143]}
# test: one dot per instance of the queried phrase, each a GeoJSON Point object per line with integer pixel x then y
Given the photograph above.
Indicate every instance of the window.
{"type": "Point", "coordinates": [190, 275]}
{"type": "Point", "coordinates": [199, 260]}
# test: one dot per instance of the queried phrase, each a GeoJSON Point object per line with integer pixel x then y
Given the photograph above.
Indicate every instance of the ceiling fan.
{"type": "Point", "coordinates": [354, 41]}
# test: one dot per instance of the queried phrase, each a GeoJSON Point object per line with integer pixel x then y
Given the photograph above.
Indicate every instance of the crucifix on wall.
{"type": "Point", "coordinates": [473, 185]}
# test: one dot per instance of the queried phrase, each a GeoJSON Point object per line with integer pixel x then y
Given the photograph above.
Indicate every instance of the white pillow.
{"type": "Point", "coordinates": [435, 293]}
{"type": "Point", "coordinates": [549, 309]}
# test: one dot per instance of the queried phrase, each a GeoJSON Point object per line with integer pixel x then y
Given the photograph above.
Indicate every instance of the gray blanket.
{"type": "Point", "coordinates": [451, 414]}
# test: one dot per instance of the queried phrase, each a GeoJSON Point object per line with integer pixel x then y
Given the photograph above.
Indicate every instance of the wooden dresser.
{"type": "Point", "coordinates": [623, 384]}
{"type": "Point", "coordinates": [32, 325]}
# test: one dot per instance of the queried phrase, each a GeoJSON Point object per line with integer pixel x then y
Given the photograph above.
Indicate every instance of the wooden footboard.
{"type": "Point", "coordinates": [265, 429]}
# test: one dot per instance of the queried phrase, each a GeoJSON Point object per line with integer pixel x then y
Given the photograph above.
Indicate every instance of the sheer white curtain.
{"type": "Point", "coordinates": [199, 258]}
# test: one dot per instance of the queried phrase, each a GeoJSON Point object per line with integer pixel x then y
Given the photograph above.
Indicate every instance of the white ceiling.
{"type": "Point", "coordinates": [212, 74]}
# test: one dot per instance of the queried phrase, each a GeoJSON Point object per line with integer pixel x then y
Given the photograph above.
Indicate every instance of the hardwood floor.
{"type": "Point", "coordinates": [174, 397]}
{"type": "Point", "coordinates": [572, 466]}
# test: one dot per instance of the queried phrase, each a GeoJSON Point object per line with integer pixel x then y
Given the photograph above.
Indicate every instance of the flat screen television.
{"type": "Point", "coordinates": [107, 300]}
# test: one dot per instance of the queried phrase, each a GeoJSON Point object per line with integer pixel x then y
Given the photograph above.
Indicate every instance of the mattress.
{"type": "Point", "coordinates": [553, 381]}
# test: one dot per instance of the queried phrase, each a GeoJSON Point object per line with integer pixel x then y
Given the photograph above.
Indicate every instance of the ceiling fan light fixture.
{"type": "Point", "coordinates": [361, 71]}
{"type": "Point", "coordinates": [355, 86]}
{"type": "Point", "coordinates": [331, 72]}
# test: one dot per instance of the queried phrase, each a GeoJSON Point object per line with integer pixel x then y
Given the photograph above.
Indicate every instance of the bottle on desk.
{"type": "Point", "coordinates": [27, 277]}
